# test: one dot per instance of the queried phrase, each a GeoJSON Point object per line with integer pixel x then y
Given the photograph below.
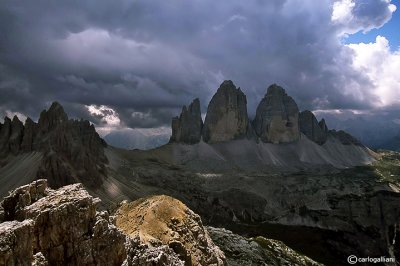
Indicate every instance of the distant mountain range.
{"type": "Point", "coordinates": [374, 131]}
{"type": "Point", "coordinates": [393, 144]}
{"type": "Point", "coordinates": [142, 139]}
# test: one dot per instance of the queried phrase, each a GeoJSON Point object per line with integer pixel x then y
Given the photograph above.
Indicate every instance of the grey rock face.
{"type": "Point", "coordinates": [52, 118]}
{"type": "Point", "coordinates": [30, 132]}
{"type": "Point", "coordinates": [16, 242]}
{"type": "Point", "coordinates": [310, 127]}
{"type": "Point", "coordinates": [226, 115]}
{"type": "Point", "coordinates": [255, 251]}
{"type": "Point", "coordinates": [5, 134]}
{"type": "Point", "coordinates": [17, 131]}
{"type": "Point", "coordinates": [142, 254]}
{"type": "Point", "coordinates": [187, 127]}
{"type": "Point", "coordinates": [277, 117]}
{"type": "Point", "coordinates": [323, 126]}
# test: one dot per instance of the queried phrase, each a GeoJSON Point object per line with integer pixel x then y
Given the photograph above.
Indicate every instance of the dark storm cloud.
{"type": "Point", "coordinates": [145, 59]}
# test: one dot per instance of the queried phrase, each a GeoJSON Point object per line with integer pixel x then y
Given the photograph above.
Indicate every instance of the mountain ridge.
{"type": "Point", "coordinates": [277, 120]}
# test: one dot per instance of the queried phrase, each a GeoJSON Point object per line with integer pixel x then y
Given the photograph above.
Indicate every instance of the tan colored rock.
{"type": "Point", "coordinates": [62, 225]}
{"type": "Point", "coordinates": [162, 220]}
{"type": "Point", "coordinates": [16, 242]}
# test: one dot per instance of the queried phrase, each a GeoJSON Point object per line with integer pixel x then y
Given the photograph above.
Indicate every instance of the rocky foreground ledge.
{"type": "Point", "coordinates": [42, 226]}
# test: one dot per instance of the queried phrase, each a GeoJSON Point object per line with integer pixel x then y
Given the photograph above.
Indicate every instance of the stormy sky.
{"type": "Point", "coordinates": [135, 63]}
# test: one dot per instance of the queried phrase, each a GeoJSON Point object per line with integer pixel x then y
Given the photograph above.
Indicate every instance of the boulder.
{"type": "Point", "coordinates": [188, 126]}
{"type": "Point", "coordinates": [277, 117]}
{"type": "Point", "coordinates": [226, 117]}
{"type": "Point", "coordinates": [310, 127]}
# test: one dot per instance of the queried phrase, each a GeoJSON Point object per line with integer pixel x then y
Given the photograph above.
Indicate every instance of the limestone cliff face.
{"type": "Point", "coordinates": [277, 117]}
{"type": "Point", "coordinates": [309, 126]}
{"type": "Point", "coordinates": [72, 150]}
{"type": "Point", "coordinates": [188, 126]}
{"type": "Point", "coordinates": [226, 117]}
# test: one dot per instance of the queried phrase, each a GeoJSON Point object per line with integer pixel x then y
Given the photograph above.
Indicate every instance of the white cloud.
{"type": "Point", "coordinates": [382, 66]}
{"type": "Point", "coordinates": [20, 116]}
{"type": "Point", "coordinates": [109, 115]}
{"type": "Point", "coordinates": [342, 11]}
{"type": "Point", "coordinates": [351, 16]}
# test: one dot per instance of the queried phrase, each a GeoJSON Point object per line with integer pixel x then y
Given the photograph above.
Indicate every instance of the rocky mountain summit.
{"type": "Point", "coordinates": [277, 120]}
{"type": "Point", "coordinates": [277, 117]}
{"type": "Point", "coordinates": [70, 150]}
{"type": "Point", "coordinates": [314, 130]}
{"type": "Point", "coordinates": [226, 117]}
{"type": "Point", "coordinates": [188, 126]}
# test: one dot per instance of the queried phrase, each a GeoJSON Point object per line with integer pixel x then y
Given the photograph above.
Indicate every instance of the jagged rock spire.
{"type": "Point", "coordinates": [309, 126]}
{"type": "Point", "coordinates": [188, 126]}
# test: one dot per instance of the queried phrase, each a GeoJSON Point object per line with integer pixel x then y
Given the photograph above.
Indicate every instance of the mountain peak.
{"type": "Point", "coordinates": [71, 149]}
{"type": "Point", "coordinates": [187, 127]}
{"type": "Point", "coordinates": [226, 117]}
{"type": "Point", "coordinates": [52, 117]}
{"type": "Point", "coordinates": [277, 116]}
{"type": "Point", "coordinates": [275, 89]}
{"type": "Point", "coordinates": [309, 126]}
